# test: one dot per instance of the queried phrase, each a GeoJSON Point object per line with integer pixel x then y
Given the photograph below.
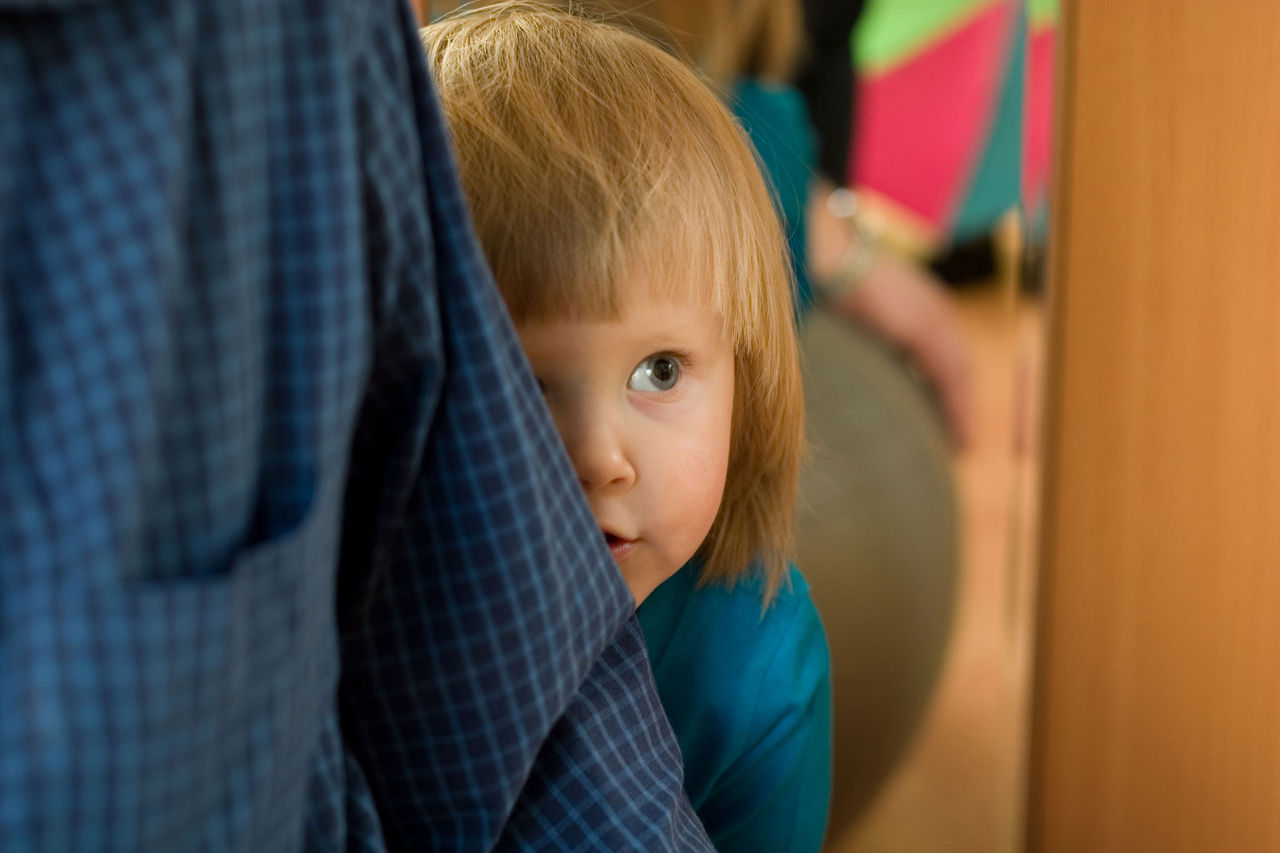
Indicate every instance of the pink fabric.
{"type": "Point", "coordinates": [922, 125]}
{"type": "Point", "coordinates": [1038, 118]}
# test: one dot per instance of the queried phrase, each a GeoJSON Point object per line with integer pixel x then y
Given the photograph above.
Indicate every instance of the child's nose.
{"type": "Point", "coordinates": [599, 455]}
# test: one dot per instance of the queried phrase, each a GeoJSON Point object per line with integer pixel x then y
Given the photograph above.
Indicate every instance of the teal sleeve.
{"type": "Point", "coordinates": [749, 697]}
{"type": "Point", "coordinates": [774, 797]}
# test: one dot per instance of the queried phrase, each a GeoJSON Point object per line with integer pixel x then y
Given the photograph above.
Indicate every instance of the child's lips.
{"type": "Point", "coordinates": [620, 548]}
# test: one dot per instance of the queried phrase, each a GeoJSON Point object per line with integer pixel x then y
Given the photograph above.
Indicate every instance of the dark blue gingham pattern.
{"type": "Point", "coordinates": [290, 556]}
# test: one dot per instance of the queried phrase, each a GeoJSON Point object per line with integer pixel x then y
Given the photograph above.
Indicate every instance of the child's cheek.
{"type": "Point", "coordinates": [697, 464]}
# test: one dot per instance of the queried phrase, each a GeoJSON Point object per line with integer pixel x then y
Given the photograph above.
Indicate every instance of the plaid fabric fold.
{"type": "Point", "coordinates": [290, 555]}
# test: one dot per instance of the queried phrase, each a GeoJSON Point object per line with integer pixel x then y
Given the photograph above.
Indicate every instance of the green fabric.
{"type": "Point", "coordinates": [891, 30]}
{"type": "Point", "coordinates": [748, 695]}
{"type": "Point", "coordinates": [1043, 13]}
{"type": "Point", "coordinates": [775, 119]}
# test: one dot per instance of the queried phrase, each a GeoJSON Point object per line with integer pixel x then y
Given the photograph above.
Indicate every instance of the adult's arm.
{"type": "Point", "coordinates": [495, 688]}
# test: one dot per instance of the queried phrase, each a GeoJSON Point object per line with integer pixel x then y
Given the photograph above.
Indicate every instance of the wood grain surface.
{"type": "Point", "coordinates": [1156, 722]}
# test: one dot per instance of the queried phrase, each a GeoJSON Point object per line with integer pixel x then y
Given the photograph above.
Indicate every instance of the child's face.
{"type": "Point", "coordinates": [644, 405]}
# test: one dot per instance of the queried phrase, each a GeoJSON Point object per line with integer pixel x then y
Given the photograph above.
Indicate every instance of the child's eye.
{"type": "Point", "coordinates": [655, 373]}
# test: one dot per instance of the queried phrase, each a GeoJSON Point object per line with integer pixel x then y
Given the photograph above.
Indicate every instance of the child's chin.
{"type": "Point", "coordinates": [643, 580]}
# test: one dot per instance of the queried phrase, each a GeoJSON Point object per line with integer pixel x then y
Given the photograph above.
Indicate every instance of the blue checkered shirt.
{"type": "Point", "coordinates": [290, 556]}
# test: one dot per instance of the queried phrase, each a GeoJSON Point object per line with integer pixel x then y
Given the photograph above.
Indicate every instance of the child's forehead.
{"type": "Point", "coordinates": [688, 286]}
{"type": "Point", "coordinates": [678, 271]}
{"type": "Point", "coordinates": [645, 301]}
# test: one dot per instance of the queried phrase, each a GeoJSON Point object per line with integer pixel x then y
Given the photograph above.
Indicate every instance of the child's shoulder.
{"type": "Point", "coordinates": [746, 596]}
{"type": "Point", "coordinates": [735, 677]}
{"type": "Point", "coordinates": [726, 622]}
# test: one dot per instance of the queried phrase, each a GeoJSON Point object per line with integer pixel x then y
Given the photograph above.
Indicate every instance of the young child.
{"type": "Point", "coordinates": [636, 245]}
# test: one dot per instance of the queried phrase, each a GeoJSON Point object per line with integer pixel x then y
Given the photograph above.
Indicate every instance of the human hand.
{"type": "Point", "coordinates": [908, 308]}
{"type": "Point", "coordinates": [903, 304]}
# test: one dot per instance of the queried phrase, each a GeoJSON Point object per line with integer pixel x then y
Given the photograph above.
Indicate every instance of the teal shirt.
{"type": "Point", "coordinates": [749, 697]}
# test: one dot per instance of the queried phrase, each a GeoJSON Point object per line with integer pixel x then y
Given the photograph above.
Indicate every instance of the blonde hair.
{"type": "Point", "coordinates": [591, 158]}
